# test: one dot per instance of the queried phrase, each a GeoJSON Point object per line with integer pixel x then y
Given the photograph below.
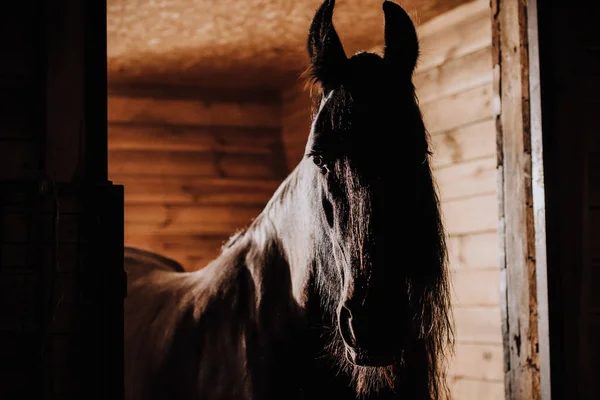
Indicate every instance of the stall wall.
{"type": "Point", "coordinates": [197, 165]}
{"type": "Point", "coordinates": [454, 86]}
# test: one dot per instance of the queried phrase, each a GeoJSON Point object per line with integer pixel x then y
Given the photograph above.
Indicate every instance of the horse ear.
{"type": "Point", "coordinates": [401, 42]}
{"type": "Point", "coordinates": [325, 49]}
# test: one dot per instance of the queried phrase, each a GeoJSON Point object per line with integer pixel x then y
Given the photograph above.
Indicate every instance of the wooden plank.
{"type": "Point", "coordinates": [474, 251]}
{"type": "Point", "coordinates": [190, 245]}
{"type": "Point", "coordinates": [478, 324]}
{"type": "Point", "coordinates": [518, 266]}
{"type": "Point", "coordinates": [470, 215]}
{"type": "Point", "coordinates": [465, 143]}
{"type": "Point", "coordinates": [126, 136]}
{"type": "Point", "coordinates": [197, 164]}
{"type": "Point", "coordinates": [198, 191]}
{"type": "Point", "coordinates": [478, 361]}
{"type": "Point", "coordinates": [467, 179]}
{"type": "Point", "coordinates": [193, 112]}
{"type": "Point", "coordinates": [219, 227]}
{"type": "Point", "coordinates": [447, 20]}
{"type": "Point", "coordinates": [165, 215]}
{"type": "Point", "coordinates": [476, 288]}
{"type": "Point", "coordinates": [474, 389]}
{"type": "Point", "coordinates": [455, 75]}
{"type": "Point", "coordinates": [451, 112]}
{"type": "Point", "coordinates": [193, 92]}
{"type": "Point", "coordinates": [456, 41]}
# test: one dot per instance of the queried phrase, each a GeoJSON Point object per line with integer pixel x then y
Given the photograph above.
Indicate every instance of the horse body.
{"type": "Point", "coordinates": [339, 288]}
{"type": "Point", "coordinates": [232, 330]}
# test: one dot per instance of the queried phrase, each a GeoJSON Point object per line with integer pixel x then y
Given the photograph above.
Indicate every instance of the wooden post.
{"type": "Point", "coordinates": [61, 220]}
{"type": "Point", "coordinates": [521, 200]}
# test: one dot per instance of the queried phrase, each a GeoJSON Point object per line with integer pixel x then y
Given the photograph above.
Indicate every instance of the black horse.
{"type": "Point", "coordinates": [339, 288]}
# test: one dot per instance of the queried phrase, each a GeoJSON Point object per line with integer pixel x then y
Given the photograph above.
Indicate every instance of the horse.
{"type": "Point", "coordinates": [339, 288]}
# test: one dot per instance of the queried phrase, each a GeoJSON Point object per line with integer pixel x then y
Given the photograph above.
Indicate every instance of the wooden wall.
{"type": "Point", "coordinates": [196, 165]}
{"type": "Point", "coordinates": [454, 85]}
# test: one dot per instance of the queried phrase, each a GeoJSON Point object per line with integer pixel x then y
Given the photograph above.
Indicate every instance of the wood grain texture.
{"type": "Point", "coordinates": [196, 165]}
{"type": "Point", "coordinates": [192, 112]}
{"type": "Point", "coordinates": [198, 191]}
{"type": "Point", "coordinates": [518, 268]}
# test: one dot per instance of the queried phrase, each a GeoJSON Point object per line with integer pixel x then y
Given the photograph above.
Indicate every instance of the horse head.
{"type": "Point", "coordinates": [382, 255]}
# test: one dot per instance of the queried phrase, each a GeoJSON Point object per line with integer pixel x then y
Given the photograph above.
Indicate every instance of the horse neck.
{"type": "Point", "coordinates": [280, 239]}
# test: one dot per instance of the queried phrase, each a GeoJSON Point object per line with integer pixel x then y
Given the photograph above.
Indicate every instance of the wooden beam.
{"type": "Point", "coordinates": [517, 233]}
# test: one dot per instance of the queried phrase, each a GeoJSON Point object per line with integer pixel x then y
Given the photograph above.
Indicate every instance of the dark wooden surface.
{"type": "Point", "coordinates": [517, 231]}
{"type": "Point", "coordinates": [570, 61]}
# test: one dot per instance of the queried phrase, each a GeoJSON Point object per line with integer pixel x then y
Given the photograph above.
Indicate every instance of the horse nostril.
{"type": "Point", "coordinates": [345, 324]}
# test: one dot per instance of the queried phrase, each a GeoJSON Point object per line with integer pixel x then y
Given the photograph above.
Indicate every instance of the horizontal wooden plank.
{"type": "Point", "coordinates": [193, 92]}
{"type": "Point", "coordinates": [470, 178]}
{"type": "Point", "coordinates": [478, 361]}
{"type": "Point", "coordinates": [455, 75]}
{"type": "Point", "coordinates": [474, 389]}
{"type": "Point", "coordinates": [165, 215]}
{"type": "Point", "coordinates": [447, 20]}
{"type": "Point", "coordinates": [124, 136]}
{"type": "Point", "coordinates": [451, 112]}
{"type": "Point", "coordinates": [192, 112]}
{"type": "Point", "coordinates": [197, 164]}
{"type": "Point", "coordinates": [473, 251]}
{"type": "Point", "coordinates": [464, 143]}
{"type": "Point", "coordinates": [457, 40]}
{"type": "Point", "coordinates": [219, 227]}
{"type": "Point", "coordinates": [470, 215]}
{"type": "Point", "coordinates": [476, 287]}
{"type": "Point", "coordinates": [478, 324]}
{"type": "Point", "coordinates": [198, 191]}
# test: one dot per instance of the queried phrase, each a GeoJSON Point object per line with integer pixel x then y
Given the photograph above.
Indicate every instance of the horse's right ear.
{"type": "Point", "coordinates": [327, 56]}
{"type": "Point", "coordinates": [401, 42]}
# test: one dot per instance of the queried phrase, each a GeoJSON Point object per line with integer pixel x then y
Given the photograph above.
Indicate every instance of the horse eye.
{"type": "Point", "coordinates": [318, 160]}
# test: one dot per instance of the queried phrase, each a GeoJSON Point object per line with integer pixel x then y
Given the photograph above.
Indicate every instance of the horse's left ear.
{"type": "Point", "coordinates": [401, 41]}
{"type": "Point", "coordinates": [325, 49]}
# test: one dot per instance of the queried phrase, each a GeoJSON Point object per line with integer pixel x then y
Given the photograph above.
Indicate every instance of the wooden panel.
{"type": "Point", "coordinates": [474, 251]}
{"type": "Point", "coordinates": [296, 120]}
{"type": "Point", "coordinates": [478, 324]}
{"type": "Point", "coordinates": [192, 138]}
{"type": "Point", "coordinates": [199, 191]}
{"type": "Point", "coordinates": [518, 263]}
{"type": "Point", "coordinates": [476, 288]}
{"type": "Point", "coordinates": [471, 178]}
{"type": "Point", "coordinates": [192, 112]}
{"type": "Point", "coordinates": [454, 76]}
{"type": "Point", "coordinates": [454, 111]}
{"type": "Point", "coordinates": [191, 245]}
{"type": "Point", "coordinates": [20, 159]}
{"type": "Point", "coordinates": [180, 214]}
{"type": "Point", "coordinates": [457, 40]}
{"type": "Point", "coordinates": [473, 389]}
{"type": "Point", "coordinates": [188, 163]}
{"type": "Point", "coordinates": [219, 227]}
{"type": "Point", "coordinates": [478, 361]}
{"type": "Point", "coordinates": [474, 214]}
{"type": "Point", "coordinates": [465, 143]}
